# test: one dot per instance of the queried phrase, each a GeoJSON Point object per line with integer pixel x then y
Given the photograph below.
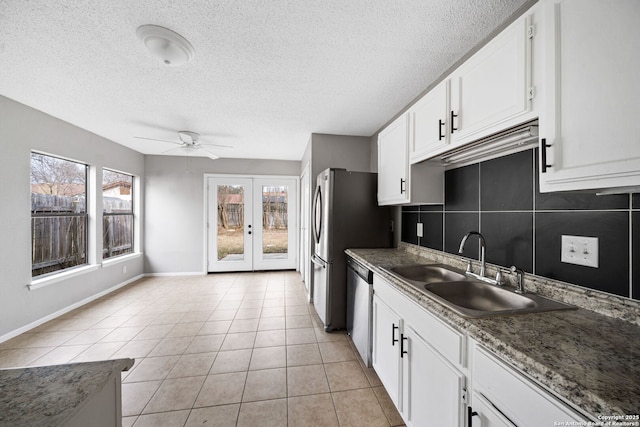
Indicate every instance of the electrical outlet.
{"type": "Point", "coordinates": [419, 229]}
{"type": "Point", "coordinates": [580, 250]}
{"type": "Point", "coordinates": [124, 269]}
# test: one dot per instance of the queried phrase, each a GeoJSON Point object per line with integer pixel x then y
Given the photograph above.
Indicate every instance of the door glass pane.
{"type": "Point", "coordinates": [231, 222]}
{"type": "Point", "coordinates": [275, 221]}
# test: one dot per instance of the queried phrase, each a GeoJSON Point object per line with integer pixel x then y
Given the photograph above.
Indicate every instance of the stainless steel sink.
{"type": "Point", "coordinates": [426, 273]}
{"type": "Point", "coordinates": [470, 297]}
{"type": "Point", "coordinates": [480, 296]}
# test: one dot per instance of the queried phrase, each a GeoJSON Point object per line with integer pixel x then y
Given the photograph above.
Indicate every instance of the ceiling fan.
{"type": "Point", "coordinates": [189, 141]}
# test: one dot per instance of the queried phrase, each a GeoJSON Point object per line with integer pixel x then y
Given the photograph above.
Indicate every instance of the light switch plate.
{"type": "Point", "coordinates": [419, 229]}
{"type": "Point", "coordinates": [580, 250]}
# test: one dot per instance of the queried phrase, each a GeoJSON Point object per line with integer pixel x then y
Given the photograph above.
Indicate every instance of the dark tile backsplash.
{"type": "Point", "coordinates": [456, 225]}
{"type": "Point", "coordinates": [510, 235]}
{"type": "Point", "coordinates": [432, 229]}
{"type": "Point", "coordinates": [507, 183]}
{"type": "Point", "coordinates": [462, 189]}
{"type": "Point", "coordinates": [612, 230]}
{"type": "Point", "coordinates": [523, 227]}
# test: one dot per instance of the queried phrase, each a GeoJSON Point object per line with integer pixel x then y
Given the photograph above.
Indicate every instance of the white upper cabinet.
{"type": "Point", "coordinates": [590, 126]}
{"type": "Point", "coordinates": [393, 163]}
{"type": "Point", "coordinates": [493, 90]}
{"type": "Point", "coordinates": [429, 123]}
{"type": "Point", "coordinates": [399, 182]}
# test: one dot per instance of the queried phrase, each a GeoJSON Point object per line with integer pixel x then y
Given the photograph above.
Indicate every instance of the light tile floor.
{"type": "Point", "coordinates": [237, 349]}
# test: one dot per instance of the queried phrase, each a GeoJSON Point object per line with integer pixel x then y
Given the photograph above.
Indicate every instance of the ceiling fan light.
{"type": "Point", "coordinates": [167, 46]}
{"type": "Point", "coordinates": [189, 138]}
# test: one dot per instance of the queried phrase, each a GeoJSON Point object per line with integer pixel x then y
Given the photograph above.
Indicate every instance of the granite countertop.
{"type": "Point", "coordinates": [50, 395]}
{"type": "Point", "coordinates": [589, 359]}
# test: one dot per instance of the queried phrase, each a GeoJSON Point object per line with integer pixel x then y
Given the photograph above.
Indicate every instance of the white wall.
{"type": "Point", "coordinates": [23, 129]}
{"type": "Point", "coordinates": [174, 207]}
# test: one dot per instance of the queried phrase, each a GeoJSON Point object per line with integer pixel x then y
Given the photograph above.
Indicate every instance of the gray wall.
{"type": "Point", "coordinates": [174, 206]}
{"type": "Point", "coordinates": [339, 151]}
{"type": "Point", "coordinates": [23, 129]}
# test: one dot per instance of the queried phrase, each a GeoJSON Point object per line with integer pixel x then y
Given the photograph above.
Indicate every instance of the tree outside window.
{"type": "Point", "coordinates": [117, 215]}
{"type": "Point", "coordinates": [58, 214]}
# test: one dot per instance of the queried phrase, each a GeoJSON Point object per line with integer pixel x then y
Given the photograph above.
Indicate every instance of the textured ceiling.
{"type": "Point", "coordinates": [266, 74]}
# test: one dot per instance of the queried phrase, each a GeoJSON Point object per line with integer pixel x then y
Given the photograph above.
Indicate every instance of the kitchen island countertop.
{"type": "Point", "coordinates": [51, 395]}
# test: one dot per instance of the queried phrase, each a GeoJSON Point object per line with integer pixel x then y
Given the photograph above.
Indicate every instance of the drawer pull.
{"type": "Point", "coordinates": [543, 154]}
{"type": "Point", "coordinates": [452, 117]}
{"type": "Point", "coordinates": [470, 414]}
{"type": "Point", "coordinates": [402, 350]}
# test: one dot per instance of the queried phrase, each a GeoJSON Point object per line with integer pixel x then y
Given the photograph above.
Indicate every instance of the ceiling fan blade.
{"type": "Point", "coordinates": [155, 139]}
{"type": "Point", "coordinates": [171, 149]}
{"type": "Point", "coordinates": [209, 153]}
{"type": "Point", "coordinates": [216, 145]}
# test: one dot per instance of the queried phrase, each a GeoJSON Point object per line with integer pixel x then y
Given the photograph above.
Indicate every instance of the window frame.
{"type": "Point", "coordinates": [132, 214]}
{"type": "Point", "coordinates": [85, 216]}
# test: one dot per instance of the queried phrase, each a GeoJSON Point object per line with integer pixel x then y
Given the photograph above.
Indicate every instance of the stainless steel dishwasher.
{"type": "Point", "coordinates": [359, 302]}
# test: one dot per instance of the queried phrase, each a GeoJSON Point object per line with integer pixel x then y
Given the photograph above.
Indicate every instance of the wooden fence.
{"type": "Point", "coordinates": [274, 214]}
{"type": "Point", "coordinates": [59, 231]}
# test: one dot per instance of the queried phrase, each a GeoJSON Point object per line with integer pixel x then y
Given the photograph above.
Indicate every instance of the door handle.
{"type": "Point", "coordinates": [440, 124]}
{"type": "Point", "coordinates": [317, 261]}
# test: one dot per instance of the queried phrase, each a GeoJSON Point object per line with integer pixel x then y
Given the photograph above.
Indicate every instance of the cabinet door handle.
{"type": "Point", "coordinates": [440, 125]}
{"type": "Point", "coordinates": [452, 117]}
{"type": "Point", "coordinates": [402, 350]}
{"type": "Point", "coordinates": [470, 414]}
{"type": "Point", "coordinates": [402, 182]}
{"type": "Point", "coordinates": [543, 154]}
{"type": "Point", "coordinates": [393, 334]}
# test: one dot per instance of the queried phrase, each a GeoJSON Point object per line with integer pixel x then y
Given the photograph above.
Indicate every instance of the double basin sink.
{"type": "Point", "coordinates": [471, 297]}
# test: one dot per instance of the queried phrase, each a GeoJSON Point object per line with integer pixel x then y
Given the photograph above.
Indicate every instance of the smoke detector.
{"type": "Point", "coordinates": [167, 46]}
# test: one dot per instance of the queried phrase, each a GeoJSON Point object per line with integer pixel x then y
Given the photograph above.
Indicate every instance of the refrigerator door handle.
{"type": "Point", "coordinates": [317, 215]}
{"type": "Point", "coordinates": [318, 261]}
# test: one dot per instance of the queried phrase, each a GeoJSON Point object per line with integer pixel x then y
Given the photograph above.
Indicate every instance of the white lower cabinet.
{"type": "Point", "coordinates": [386, 338]}
{"type": "Point", "coordinates": [436, 376]}
{"type": "Point", "coordinates": [484, 414]}
{"type": "Point", "coordinates": [502, 396]}
{"type": "Point", "coordinates": [427, 387]}
{"type": "Point", "coordinates": [433, 388]}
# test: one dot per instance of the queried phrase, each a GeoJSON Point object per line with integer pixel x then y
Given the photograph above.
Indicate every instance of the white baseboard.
{"type": "Point", "coordinates": [179, 273]}
{"type": "Point", "coordinates": [67, 309]}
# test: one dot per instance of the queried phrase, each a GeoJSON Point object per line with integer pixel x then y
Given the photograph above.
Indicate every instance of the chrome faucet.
{"type": "Point", "coordinates": [482, 250]}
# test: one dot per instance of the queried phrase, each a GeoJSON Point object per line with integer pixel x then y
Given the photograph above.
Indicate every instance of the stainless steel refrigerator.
{"type": "Point", "coordinates": [345, 215]}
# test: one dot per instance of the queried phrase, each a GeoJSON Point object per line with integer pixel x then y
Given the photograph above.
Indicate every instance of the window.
{"type": "Point", "coordinates": [58, 214]}
{"type": "Point", "coordinates": [117, 216]}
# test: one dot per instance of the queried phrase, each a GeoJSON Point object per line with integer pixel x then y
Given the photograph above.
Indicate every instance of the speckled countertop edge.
{"type": "Point", "coordinates": [573, 353]}
{"type": "Point", "coordinates": [51, 395]}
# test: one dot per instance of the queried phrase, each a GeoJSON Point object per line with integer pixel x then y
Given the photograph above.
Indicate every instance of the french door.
{"type": "Point", "coordinates": [252, 223]}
